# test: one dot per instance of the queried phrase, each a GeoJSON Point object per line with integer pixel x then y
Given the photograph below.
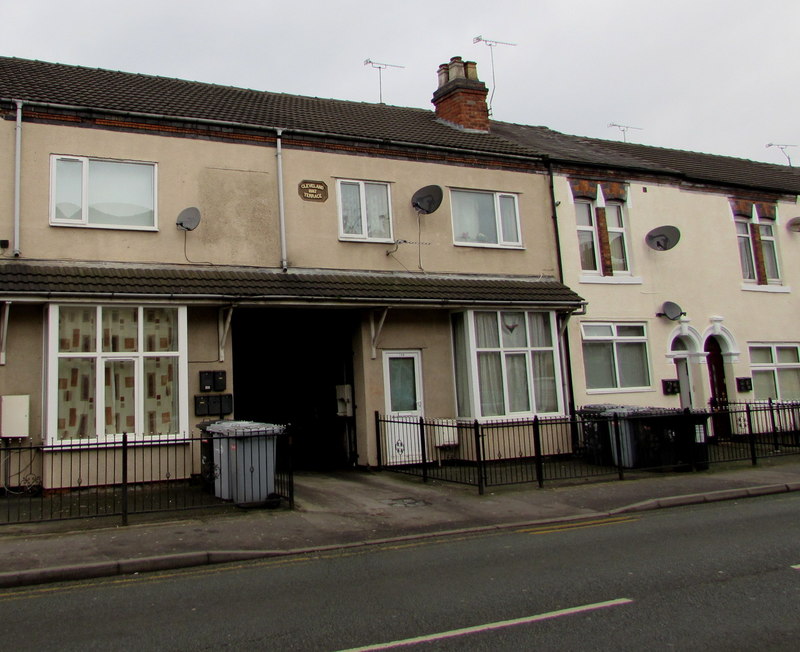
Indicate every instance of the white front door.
{"type": "Point", "coordinates": [403, 392]}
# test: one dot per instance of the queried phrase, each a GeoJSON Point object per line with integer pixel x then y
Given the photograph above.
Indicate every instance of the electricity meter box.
{"type": "Point", "coordinates": [244, 460]}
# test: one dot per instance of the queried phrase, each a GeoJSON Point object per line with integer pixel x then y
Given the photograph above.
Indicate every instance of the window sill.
{"type": "Point", "coordinates": [489, 245]}
{"type": "Point", "coordinates": [779, 289]}
{"type": "Point", "coordinates": [112, 227]}
{"type": "Point", "coordinates": [68, 445]}
{"type": "Point", "coordinates": [621, 390]}
{"type": "Point", "coordinates": [611, 280]}
{"type": "Point", "coordinates": [343, 238]}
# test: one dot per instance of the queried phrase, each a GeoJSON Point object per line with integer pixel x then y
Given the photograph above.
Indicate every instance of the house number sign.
{"type": "Point", "coordinates": [313, 190]}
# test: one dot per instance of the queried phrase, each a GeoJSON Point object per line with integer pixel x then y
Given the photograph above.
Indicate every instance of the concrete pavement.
{"type": "Point", "coordinates": [352, 508]}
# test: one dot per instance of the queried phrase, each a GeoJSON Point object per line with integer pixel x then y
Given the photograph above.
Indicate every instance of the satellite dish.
{"type": "Point", "coordinates": [663, 238]}
{"type": "Point", "coordinates": [794, 224]}
{"type": "Point", "coordinates": [671, 311]}
{"type": "Point", "coordinates": [188, 219]}
{"type": "Point", "coordinates": [427, 199]}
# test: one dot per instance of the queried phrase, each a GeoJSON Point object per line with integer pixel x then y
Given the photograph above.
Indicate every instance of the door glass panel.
{"type": "Point", "coordinates": [402, 384]}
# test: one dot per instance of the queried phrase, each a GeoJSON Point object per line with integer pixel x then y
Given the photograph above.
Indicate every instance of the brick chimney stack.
{"type": "Point", "coordinates": [461, 96]}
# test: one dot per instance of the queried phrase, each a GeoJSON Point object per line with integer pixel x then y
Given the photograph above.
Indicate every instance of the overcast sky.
{"type": "Point", "coordinates": [719, 76]}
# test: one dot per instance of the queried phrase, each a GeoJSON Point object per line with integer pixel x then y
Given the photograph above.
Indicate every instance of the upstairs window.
{"type": "Point", "coordinates": [101, 193]}
{"type": "Point", "coordinates": [485, 218]}
{"type": "Point", "coordinates": [755, 235]}
{"type": "Point", "coordinates": [364, 211]}
{"type": "Point", "coordinates": [601, 224]}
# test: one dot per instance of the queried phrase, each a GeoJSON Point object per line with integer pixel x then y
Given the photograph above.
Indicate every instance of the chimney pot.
{"type": "Point", "coordinates": [456, 68]}
{"type": "Point", "coordinates": [471, 70]}
{"type": "Point", "coordinates": [444, 74]}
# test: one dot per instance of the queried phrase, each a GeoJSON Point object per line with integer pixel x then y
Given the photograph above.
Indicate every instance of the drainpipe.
{"type": "Point", "coordinates": [17, 176]}
{"type": "Point", "coordinates": [567, 358]}
{"type": "Point", "coordinates": [281, 206]}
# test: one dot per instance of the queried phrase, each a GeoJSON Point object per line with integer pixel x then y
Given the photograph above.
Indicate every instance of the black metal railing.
{"type": "Point", "coordinates": [598, 441]}
{"type": "Point", "coordinates": [70, 480]}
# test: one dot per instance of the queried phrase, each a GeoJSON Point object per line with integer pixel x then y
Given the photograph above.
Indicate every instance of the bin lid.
{"type": "Point", "coordinates": [236, 428]}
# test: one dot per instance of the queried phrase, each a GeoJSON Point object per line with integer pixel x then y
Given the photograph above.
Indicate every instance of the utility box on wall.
{"type": "Point", "coordinates": [15, 415]}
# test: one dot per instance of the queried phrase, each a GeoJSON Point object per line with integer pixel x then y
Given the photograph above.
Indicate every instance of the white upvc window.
{"type": "Point", "coordinates": [506, 363]}
{"type": "Point", "coordinates": [776, 371]}
{"type": "Point", "coordinates": [615, 355]}
{"type": "Point", "coordinates": [116, 369]}
{"type": "Point", "coordinates": [103, 193]}
{"type": "Point", "coordinates": [485, 218]}
{"type": "Point", "coordinates": [364, 210]}
{"type": "Point", "coordinates": [593, 236]}
{"type": "Point", "coordinates": [758, 249]}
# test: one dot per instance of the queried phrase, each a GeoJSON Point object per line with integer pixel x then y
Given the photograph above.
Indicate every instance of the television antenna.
{"type": "Point", "coordinates": [492, 45]}
{"type": "Point", "coordinates": [381, 67]}
{"type": "Point", "coordinates": [783, 148]}
{"type": "Point", "coordinates": [623, 129]}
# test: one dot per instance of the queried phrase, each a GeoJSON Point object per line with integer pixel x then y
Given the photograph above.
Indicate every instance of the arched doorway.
{"type": "Point", "coordinates": [680, 351]}
{"type": "Point", "coordinates": [717, 385]}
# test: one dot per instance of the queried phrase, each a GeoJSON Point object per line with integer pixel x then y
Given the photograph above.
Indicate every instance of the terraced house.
{"type": "Point", "coordinates": [175, 251]}
{"type": "Point", "coordinates": [178, 251]}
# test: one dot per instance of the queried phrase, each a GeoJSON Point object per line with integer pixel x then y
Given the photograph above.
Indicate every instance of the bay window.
{"type": "Point", "coordinates": [506, 363]}
{"type": "Point", "coordinates": [114, 370]}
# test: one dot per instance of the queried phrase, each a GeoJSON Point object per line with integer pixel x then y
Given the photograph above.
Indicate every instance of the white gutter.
{"type": "Point", "coordinates": [17, 176]}
{"type": "Point", "coordinates": [281, 206]}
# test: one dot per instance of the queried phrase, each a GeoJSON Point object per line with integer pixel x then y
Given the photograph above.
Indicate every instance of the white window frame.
{"type": "Point", "coordinates": [83, 222]}
{"type": "Point", "coordinates": [761, 225]}
{"type": "Point", "coordinates": [497, 196]}
{"type": "Point", "coordinates": [363, 236]}
{"type": "Point", "coordinates": [775, 365]}
{"type": "Point", "coordinates": [473, 390]}
{"type": "Point", "coordinates": [594, 229]}
{"type": "Point", "coordinates": [615, 339]}
{"type": "Point", "coordinates": [101, 358]}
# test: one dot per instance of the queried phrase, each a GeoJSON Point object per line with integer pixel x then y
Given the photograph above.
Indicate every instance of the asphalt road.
{"type": "Point", "coordinates": [724, 576]}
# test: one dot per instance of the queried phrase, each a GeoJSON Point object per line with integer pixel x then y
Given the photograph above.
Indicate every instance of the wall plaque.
{"type": "Point", "coordinates": [313, 190]}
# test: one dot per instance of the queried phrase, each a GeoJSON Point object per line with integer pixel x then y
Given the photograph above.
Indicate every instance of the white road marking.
{"type": "Point", "coordinates": [490, 626]}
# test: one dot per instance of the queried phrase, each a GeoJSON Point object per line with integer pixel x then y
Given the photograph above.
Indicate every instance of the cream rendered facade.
{"type": "Point", "coordinates": [236, 188]}
{"type": "Point", "coordinates": [702, 273]}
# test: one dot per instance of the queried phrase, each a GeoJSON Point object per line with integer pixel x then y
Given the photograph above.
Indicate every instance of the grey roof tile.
{"type": "Point", "coordinates": [55, 281]}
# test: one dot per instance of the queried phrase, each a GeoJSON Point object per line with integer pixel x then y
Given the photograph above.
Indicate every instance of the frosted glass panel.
{"type": "Point", "coordinates": [403, 385]}
{"type": "Point", "coordinates": [121, 193]}
{"type": "Point", "coordinates": [160, 396]}
{"type": "Point", "coordinates": [76, 399]}
{"type": "Point", "coordinates": [77, 331]}
{"type": "Point", "coordinates": [69, 190]}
